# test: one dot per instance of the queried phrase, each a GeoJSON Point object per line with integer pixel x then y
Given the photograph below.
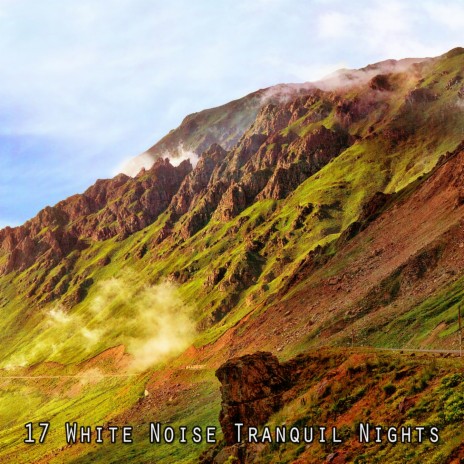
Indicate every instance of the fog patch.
{"type": "Point", "coordinates": [182, 155]}
{"type": "Point", "coordinates": [152, 322]}
{"type": "Point", "coordinates": [132, 166]}
{"type": "Point", "coordinates": [165, 326]}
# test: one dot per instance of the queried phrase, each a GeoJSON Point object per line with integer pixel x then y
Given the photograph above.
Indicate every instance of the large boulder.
{"type": "Point", "coordinates": [252, 387]}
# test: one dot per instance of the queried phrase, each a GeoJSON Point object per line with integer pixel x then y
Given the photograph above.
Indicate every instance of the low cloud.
{"type": "Point", "coordinates": [132, 166]}
{"type": "Point", "coordinates": [57, 316]}
{"type": "Point", "coordinates": [182, 155]}
{"type": "Point", "coordinates": [164, 323]}
{"type": "Point", "coordinates": [283, 93]}
{"type": "Point", "coordinates": [152, 322]}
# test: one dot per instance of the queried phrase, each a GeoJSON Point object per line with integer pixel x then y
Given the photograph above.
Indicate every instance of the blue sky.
{"type": "Point", "coordinates": [85, 85]}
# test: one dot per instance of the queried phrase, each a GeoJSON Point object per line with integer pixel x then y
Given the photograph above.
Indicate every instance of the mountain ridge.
{"type": "Point", "coordinates": [335, 219]}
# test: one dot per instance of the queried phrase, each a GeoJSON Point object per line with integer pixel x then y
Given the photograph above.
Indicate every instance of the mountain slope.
{"type": "Point", "coordinates": [334, 218]}
{"type": "Point", "coordinates": [296, 179]}
{"type": "Point", "coordinates": [223, 125]}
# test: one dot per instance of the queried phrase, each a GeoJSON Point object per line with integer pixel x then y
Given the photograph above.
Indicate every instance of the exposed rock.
{"type": "Point", "coordinates": [243, 273]}
{"type": "Point", "coordinates": [303, 213]}
{"type": "Point", "coordinates": [272, 118]}
{"type": "Point", "coordinates": [251, 389]}
{"type": "Point", "coordinates": [205, 207]}
{"type": "Point", "coordinates": [420, 95]}
{"type": "Point", "coordinates": [224, 307]}
{"type": "Point", "coordinates": [380, 82]}
{"type": "Point", "coordinates": [215, 277]}
{"type": "Point", "coordinates": [80, 293]}
{"type": "Point", "coordinates": [453, 82]}
{"type": "Point", "coordinates": [179, 277]}
{"type": "Point", "coordinates": [305, 157]}
{"type": "Point", "coordinates": [245, 150]}
{"type": "Point", "coordinates": [110, 208]}
{"type": "Point", "coordinates": [349, 111]}
{"type": "Point", "coordinates": [232, 203]}
{"type": "Point", "coordinates": [314, 259]}
{"type": "Point", "coordinates": [283, 181]}
{"type": "Point", "coordinates": [369, 212]}
{"type": "Point", "coordinates": [197, 181]}
{"type": "Point", "coordinates": [104, 261]}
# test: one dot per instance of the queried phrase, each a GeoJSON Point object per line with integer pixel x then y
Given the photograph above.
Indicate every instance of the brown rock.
{"type": "Point", "coordinates": [380, 82]}
{"type": "Point", "coordinates": [251, 387]}
{"type": "Point", "coordinates": [110, 208]}
{"type": "Point", "coordinates": [420, 95]}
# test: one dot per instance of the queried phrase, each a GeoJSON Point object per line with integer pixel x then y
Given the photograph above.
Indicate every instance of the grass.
{"type": "Point", "coordinates": [363, 386]}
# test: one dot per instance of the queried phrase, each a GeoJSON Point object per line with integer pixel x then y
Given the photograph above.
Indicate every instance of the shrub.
{"type": "Point", "coordinates": [389, 389]}
{"type": "Point", "coordinates": [452, 380]}
{"type": "Point", "coordinates": [454, 408]}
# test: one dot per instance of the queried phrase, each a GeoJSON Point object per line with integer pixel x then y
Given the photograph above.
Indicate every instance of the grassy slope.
{"type": "Point", "coordinates": [345, 388]}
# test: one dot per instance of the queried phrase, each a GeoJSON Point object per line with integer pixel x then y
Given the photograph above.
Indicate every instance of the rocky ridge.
{"type": "Point", "coordinates": [330, 143]}
{"type": "Point", "coordinates": [114, 207]}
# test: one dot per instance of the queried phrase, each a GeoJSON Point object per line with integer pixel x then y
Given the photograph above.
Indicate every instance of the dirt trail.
{"type": "Point", "coordinates": [63, 376]}
{"type": "Point", "coordinates": [204, 366]}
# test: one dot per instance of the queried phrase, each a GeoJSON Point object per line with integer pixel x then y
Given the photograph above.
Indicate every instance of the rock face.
{"type": "Point", "coordinates": [380, 82]}
{"type": "Point", "coordinates": [110, 208]}
{"type": "Point", "coordinates": [251, 387]}
{"type": "Point", "coordinates": [264, 163]}
{"type": "Point", "coordinates": [197, 181]}
{"type": "Point", "coordinates": [421, 95]}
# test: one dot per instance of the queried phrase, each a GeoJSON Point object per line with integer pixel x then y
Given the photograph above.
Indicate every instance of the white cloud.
{"type": "Point", "coordinates": [449, 14]}
{"type": "Point", "coordinates": [58, 316]}
{"type": "Point", "coordinates": [390, 29]}
{"type": "Point", "coordinates": [334, 25]}
{"type": "Point", "coordinates": [183, 155]}
{"type": "Point", "coordinates": [133, 165]}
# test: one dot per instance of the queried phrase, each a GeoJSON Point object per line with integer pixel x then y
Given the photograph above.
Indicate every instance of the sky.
{"type": "Point", "coordinates": [85, 85]}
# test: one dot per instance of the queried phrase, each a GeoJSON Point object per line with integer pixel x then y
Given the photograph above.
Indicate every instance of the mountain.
{"type": "Point", "coordinates": [223, 125]}
{"type": "Point", "coordinates": [324, 214]}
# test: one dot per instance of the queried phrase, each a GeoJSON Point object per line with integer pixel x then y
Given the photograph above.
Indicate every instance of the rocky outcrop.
{"type": "Point", "coordinates": [303, 158]}
{"type": "Point", "coordinates": [420, 95]}
{"type": "Point", "coordinates": [277, 168]}
{"type": "Point", "coordinates": [381, 82]}
{"type": "Point", "coordinates": [205, 207]}
{"type": "Point", "coordinates": [232, 202]}
{"type": "Point", "coordinates": [113, 207]}
{"type": "Point", "coordinates": [243, 273]}
{"type": "Point", "coordinates": [251, 387]}
{"type": "Point", "coordinates": [215, 277]}
{"type": "Point", "coordinates": [369, 212]}
{"type": "Point", "coordinates": [454, 81]}
{"type": "Point", "coordinates": [271, 119]}
{"type": "Point", "coordinates": [197, 181]}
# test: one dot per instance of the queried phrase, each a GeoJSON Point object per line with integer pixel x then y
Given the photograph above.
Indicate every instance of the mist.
{"type": "Point", "coordinates": [132, 166]}
{"type": "Point", "coordinates": [152, 322]}
{"type": "Point", "coordinates": [165, 326]}
{"type": "Point", "coordinates": [354, 77]}
{"type": "Point", "coordinates": [183, 155]}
